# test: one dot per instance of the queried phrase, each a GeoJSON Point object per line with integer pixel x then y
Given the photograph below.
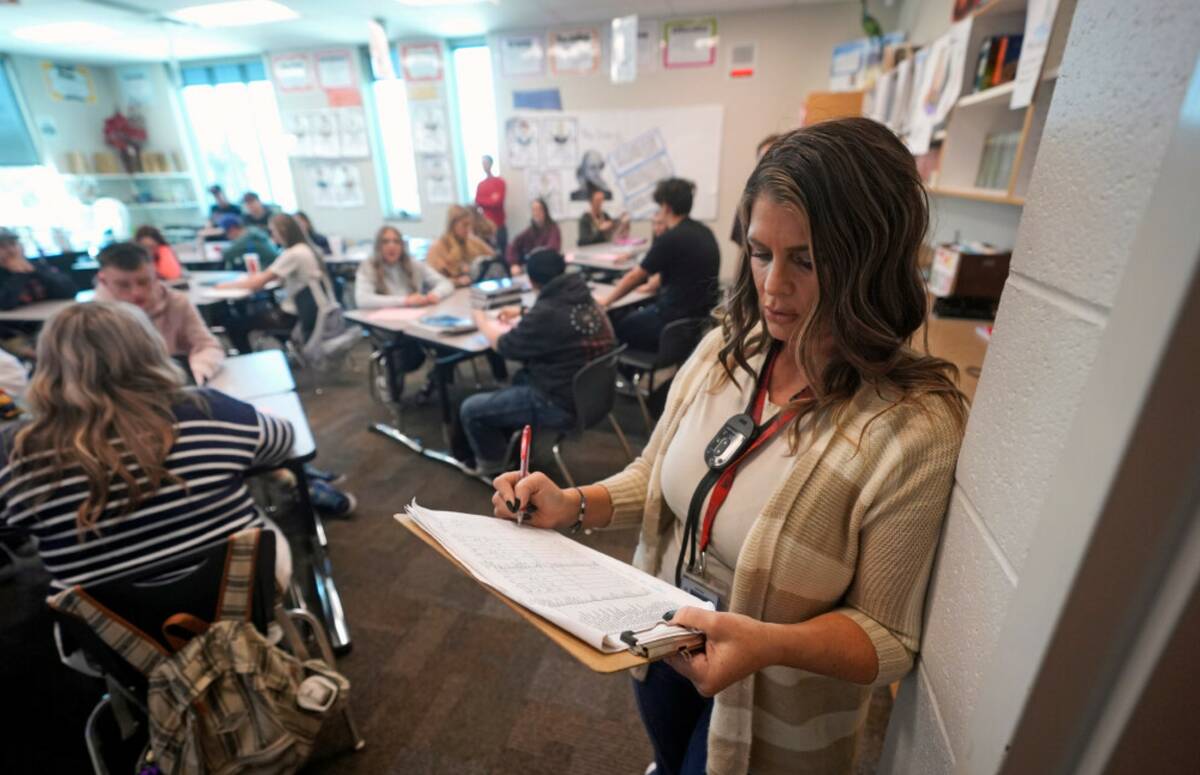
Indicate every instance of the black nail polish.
{"type": "Point", "coordinates": [669, 615]}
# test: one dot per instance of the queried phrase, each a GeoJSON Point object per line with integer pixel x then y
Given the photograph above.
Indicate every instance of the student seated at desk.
{"type": "Point", "coordinates": [221, 205]}
{"type": "Point", "coordinates": [166, 263]}
{"type": "Point", "coordinates": [127, 274]}
{"type": "Point", "coordinates": [315, 237]}
{"type": "Point", "coordinates": [596, 226]}
{"type": "Point", "coordinates": [542, 233]}
{"type": "Point", "coordinates": [391, 278]}
{"type": "Point", "coordinates": [455, 252]}
{"type": "Point", "coordinates": [816, 545]}
{"type": "Point", "coordinates": [255, 211]}
{"type": "Point", "coordinates": [24, 282]}
{"type": "Point", "coordinates": [687, 259]}
{"type": "Point", "coordinates": [244, 239]}
{"type": "Point", "coordinates": [563, 330]}
{"type": "Point", "coordinates": [140, 467]}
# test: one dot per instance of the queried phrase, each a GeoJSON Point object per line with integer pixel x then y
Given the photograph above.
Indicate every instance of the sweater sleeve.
{"type": "Point", "coordinates": [368, 296]}
{"type": "Point", "coordinates": [432, 282]}
{"type": "Point", "coordinates": [898, 538]}
{"type": "Point", "coordinates": [205, 354]}
{"type": "Point", "coordinates": [628, 488]}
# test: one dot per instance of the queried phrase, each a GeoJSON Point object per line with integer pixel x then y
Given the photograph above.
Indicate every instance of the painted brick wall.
{"type": "Point", "coordinates": [1123, 79]}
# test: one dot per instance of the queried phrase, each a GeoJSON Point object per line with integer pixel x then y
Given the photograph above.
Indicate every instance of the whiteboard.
{"type": "Point", "coordinates": [624, 152]}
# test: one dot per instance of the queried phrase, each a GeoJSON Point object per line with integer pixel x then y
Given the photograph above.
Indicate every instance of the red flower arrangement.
{"type": "Point", "coordinates": [127, 136]}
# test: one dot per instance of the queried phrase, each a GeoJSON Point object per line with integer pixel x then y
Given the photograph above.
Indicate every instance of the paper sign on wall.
{"type": "Point", "coordinates": [69, 83]}
{"type": "Point", "coordinates": [522, 55]}
{"type": "Point", "coordinates": [649, 45]}
{"type": "Point", "coordinates": [1039, 22]}
{"type": "Point", "coordinates": [335, 69]}
{"type": "Point", "coordinates": [623, 54]}
{"type": "Point", "coordinates": [136, 88]}
{"type": "Point", "coordinates": [743, 59]}
{"type": "Point", "coordinates": [574, 52]}
{"type": "Point", "coordinates": [292, 72]}
{"type": "Point", "coordinates": [337, 185]}
{"type": "Point", "coordinates": [421, 61]}
{"type": "Point", "coordinates": [520, 142]}
{"type": "Point", "coordinates": [690, 43]}
{"type": "Point", "coordinates": [940, 83]}
{"type": "Point", "coordinates": [438, 177]}
{"type": "Point", "coordinates": [430, 133]}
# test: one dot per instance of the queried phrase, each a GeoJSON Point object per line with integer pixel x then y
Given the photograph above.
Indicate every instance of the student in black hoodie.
{"type": "Point", "coordinates": [23, 282]}
{"type": "Point", "coordinates": [563, 330]}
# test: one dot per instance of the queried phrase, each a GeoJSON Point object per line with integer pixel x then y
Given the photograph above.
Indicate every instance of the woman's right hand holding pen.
{"type": "Point", "coordinates": [545, 504]}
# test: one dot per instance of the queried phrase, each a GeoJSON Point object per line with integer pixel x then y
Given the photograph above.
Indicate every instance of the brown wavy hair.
{"type": "Point", "coordinates": [868, 214]}
{"type": "Point", "coordinates": [101, 400]}
{"type": "Point", "coordinates": [375, 262]}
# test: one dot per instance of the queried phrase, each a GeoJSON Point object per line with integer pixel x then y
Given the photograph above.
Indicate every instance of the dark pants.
{"type": "Point", "coordinates": [239, 320]}
{"type": "Point", "coordinates": [641, 328]}
{"type": "Point", "coordinates": [488, 419]}
{"type": "Point", "coordinates": [501, 240]}
{"type": "Point", "coordinates": [676, 718]}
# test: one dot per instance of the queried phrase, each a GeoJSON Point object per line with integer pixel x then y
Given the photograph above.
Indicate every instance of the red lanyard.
{"type": "Point", "coordinates": [725, 482]}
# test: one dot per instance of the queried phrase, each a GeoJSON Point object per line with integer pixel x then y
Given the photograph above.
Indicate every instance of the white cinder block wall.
{"type": "Point", "coordinates": [1123, 79]}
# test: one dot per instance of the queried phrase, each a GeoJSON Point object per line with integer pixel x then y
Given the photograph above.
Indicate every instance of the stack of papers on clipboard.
{"type": "Point", "coordinates": [586, 594]}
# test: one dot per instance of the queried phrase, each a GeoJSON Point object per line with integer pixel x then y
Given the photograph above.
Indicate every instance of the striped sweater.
{"type": "Point", "coordinates": [847, 529]}
{"type": "Point", "coordinates": [218, 440]}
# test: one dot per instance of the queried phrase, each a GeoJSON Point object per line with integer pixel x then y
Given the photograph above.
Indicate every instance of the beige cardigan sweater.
{"type": "Point", "coordinates": [848, 529]}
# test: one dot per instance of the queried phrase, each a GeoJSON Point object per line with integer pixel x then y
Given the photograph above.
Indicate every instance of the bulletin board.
{"type": "Point", "coordinates": [622, 152]}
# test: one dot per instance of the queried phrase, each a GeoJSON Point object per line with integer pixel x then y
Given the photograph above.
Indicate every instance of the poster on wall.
{"type": "Point", "coordinates": [421, 61]}
{"type": "Point", "coordinates": [559, 141]}
{"type": "Point", "coordinates": [297, 135]}
{"type": "Point", "coordinates": [939, 85]}
{"type": "Point", "coordinates": [690, 43]}
{"type": "Point", "coordinates": [625, 153]}
{"type": "Point", "coordinates": [520, 142]}
{"type": "Point", "coordinates": [323, 134]}
{"type": "Point", "coordinates": [69, 83]}
{"type": "Point", "coordinates": [522, 55]}
{"type": "Point", "coordinates": [352, 133]}
{"type": "Point", "coordinates": [547, 185]}
{"type": "Point", "coordinates": [623, 51]}
{"type": "Point", "coordinates": [649, 46]}
{"type": "Point", "coordinates": [335, 185]}
{"type": "Point", "coordinates": [574, 52]}
{"type": "Point", "coordinates": [438, 178]}
{"type": "Point", "coordinates": [292, 72]}
{"type": "Point", "coordinates": [430, 133]}
{"type": "Point", "coordinates": [135, 88]}
{"type": "Point", "coordinates": [335, 69]}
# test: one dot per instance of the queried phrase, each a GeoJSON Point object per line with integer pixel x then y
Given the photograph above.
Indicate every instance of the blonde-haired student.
{"type": "Point", "coordinates": [121, 464]}
{"type": "Point", "coordinates": [454, 253]}
{"type": "Point", "coordinates": [391, 278]}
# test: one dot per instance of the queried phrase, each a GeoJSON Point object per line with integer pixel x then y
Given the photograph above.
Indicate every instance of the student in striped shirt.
{"type": "Point", "coordinates": [121, 464]}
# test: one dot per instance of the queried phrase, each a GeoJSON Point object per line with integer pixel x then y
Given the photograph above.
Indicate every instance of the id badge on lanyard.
{"type": "Point", "coordinates": [696, 582]}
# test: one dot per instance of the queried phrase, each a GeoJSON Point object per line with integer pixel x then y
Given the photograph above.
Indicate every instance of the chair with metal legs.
{"type": "Point", "coordinates": [675, 344]}
{"type": "Point", "coordinates": [595, 390]}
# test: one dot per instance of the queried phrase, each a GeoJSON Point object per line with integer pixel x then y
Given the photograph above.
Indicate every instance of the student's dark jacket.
{"type": "Point", "coordinates": [44, 282]}
{"type": "Point", "coordinates": [565, 329]}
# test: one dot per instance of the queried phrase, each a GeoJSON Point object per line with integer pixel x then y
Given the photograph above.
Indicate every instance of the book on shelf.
{"type": "Point", "coordinates": [996, 161]}
{"type": "Point", "coordinates": [997, 63]}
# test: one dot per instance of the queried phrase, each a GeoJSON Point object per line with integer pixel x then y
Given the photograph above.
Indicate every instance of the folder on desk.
{"type": "Point", "coordinates": [581, 599]}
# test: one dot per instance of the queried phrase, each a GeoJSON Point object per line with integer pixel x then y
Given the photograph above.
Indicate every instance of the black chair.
{"type": "Point", "coordinates": [677, 341]}
{"type": "Point", "coordinates": [595, 390]}
{"type": "Point", "coordinates": [146, 598]}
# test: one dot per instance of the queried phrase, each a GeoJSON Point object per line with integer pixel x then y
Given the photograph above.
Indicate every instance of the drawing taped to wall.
{"type": "Point", "coordinates": [438, 176]}
{"type": "Point", "coordinates": [521, 142]}
{"type": "Point", "coordinates": [559, 142]}
{"type": "Point", "coordinates": [625, 153]}
{"type": "Point", "coordinates": [429, 128]}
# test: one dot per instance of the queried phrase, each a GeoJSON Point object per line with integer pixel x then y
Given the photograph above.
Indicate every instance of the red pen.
{"type": "Point", "coordinates": [526, 438]}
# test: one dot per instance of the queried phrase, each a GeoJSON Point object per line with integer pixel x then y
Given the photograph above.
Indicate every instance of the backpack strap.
{"type": "Point", "coordinates": [134, 646]}
{"type": "Point", "coordinates": [237, 584]}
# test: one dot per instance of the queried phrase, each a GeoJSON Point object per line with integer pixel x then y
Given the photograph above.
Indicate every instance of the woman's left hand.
{"type": "Point", "coordinates": [734, 647]}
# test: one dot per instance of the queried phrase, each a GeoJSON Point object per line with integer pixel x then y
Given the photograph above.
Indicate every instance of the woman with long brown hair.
{"type": "Point", "coordinates": [391, 278]}
{"type": "Point", "coordinates": [166, 263]}
{"type": "Point", "coordinates": [454, 253]}
{"type": "Point", "coordinates": [121, 464]}
{"type": "Point", "coordinates": [800, 473]}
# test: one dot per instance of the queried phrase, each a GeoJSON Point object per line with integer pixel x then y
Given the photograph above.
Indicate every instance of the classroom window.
{"type": "Point", "coordinates": [476, 104]}
{"type": "Point", "coordinates": [395, 131]}
{"type": "Point", "coordinates": [235, 121]}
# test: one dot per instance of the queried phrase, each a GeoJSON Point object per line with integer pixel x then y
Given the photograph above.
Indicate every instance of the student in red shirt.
{"type": "Point", "coordinates": [490, 197]}
{"type": "Point", "coordinates": [166, 263]}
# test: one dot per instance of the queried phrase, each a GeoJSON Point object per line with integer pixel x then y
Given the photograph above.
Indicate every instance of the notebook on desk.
{"type": "Point", "coordinates": [447, 324]}
{"type": "Point", "coordinates": [581, 599]}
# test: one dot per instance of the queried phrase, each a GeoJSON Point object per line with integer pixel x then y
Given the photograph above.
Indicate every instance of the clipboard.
{"type": "Point", "coordinates": [592, 658]}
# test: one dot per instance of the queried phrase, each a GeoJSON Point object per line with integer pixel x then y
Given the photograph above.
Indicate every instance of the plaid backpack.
{"type": "Point", "coordinates": [226, 701]}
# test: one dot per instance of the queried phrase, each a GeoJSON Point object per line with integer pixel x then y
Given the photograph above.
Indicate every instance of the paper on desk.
{"type": "Point", "coordinates": [224, 293]}
{"type": "Point", "coordinates": [587, 593]}
{"type": "Point", "coordinates": [395, 314]}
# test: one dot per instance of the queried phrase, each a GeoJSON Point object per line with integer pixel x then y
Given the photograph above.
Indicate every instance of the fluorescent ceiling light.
{"type": "Point", "coordinates": [428, 3]}
{"type": "Point", "coordinates": [238, 13]}
{"type": "Point", "coordinates": [64, 32]}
